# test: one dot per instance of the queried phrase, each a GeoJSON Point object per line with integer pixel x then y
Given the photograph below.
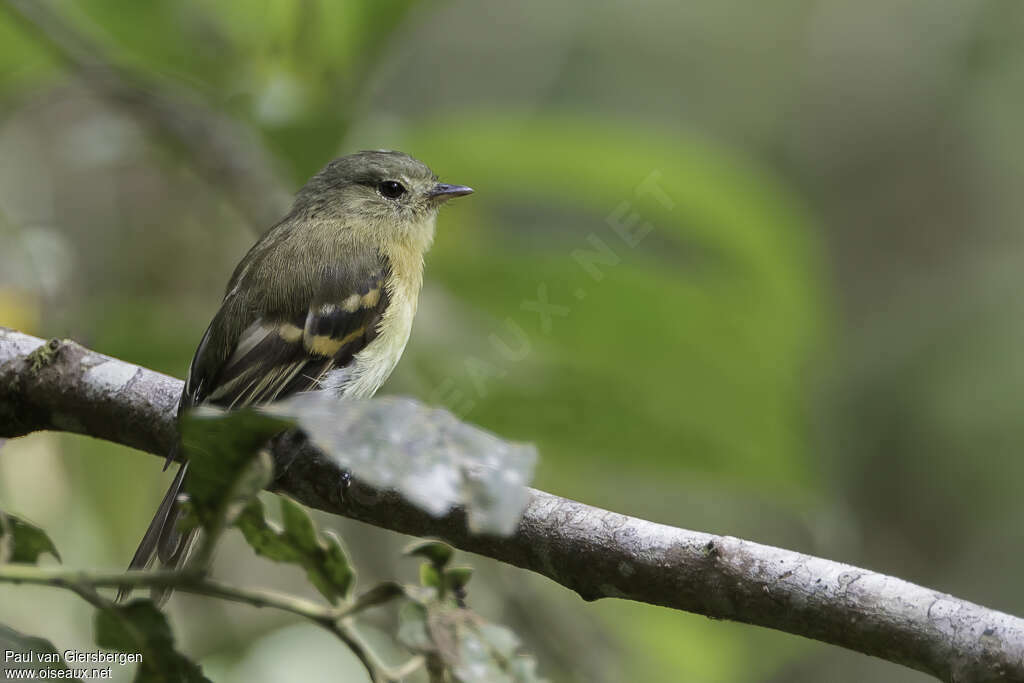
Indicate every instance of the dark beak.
{"type": "Point", "coordinates": [442, 192]}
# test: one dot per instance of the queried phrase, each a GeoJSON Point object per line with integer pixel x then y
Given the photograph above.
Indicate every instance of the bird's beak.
{"type": "Point", "coordinates": [442, 192]}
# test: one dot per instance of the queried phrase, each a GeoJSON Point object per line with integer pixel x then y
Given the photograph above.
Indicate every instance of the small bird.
{"type": "Point", "coordinates": [325, 297]}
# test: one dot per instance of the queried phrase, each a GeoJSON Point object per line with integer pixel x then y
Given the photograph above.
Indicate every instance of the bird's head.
{"type": "Point", "coordinates": [388, 194]}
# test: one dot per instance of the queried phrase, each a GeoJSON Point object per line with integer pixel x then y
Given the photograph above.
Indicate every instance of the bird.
{"type": "Point", "coordinates": [325, 298]}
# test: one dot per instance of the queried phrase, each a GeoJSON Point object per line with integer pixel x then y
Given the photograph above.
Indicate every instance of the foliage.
{"type": "Point", "coordinates": [140, 628]}
{"type": "Point", "coordinates": [229, 466]}
{"type": "Point", "coordinates": [435, 623]}
{"type": "Point", "coordinates": [321, 556]}
{"type": "Point", "coordinates": [22, 541]}
{"type": "Point", "coordinates": [41, 652]}
{"type": "Point", "coordinates": [686, 362]}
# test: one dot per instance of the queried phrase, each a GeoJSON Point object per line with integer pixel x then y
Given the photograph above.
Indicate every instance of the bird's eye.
{"type": "Point", "coordinates": [391, 189]}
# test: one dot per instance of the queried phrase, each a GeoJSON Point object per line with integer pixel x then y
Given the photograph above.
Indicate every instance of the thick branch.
{"type": "Point", "coordinates": [597, 553]}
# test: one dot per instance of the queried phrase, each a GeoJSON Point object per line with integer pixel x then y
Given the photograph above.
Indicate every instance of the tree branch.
{"type": "Point", "coordinates": [59, 385]}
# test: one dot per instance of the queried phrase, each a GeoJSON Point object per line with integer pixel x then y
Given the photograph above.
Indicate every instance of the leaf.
{"type": "Point", "coordinates": [500, 639]}
{"type": "Point", "coordinates": [429, 456]}
{"type": "Point", "coordinates": [523, 669]}
{"type": "Point", "coordinates": [456, 578]}
{"type": "Point", "coordinates": [227, 463]}
{"type": "Point", "coordinates": [438, 552]}
{"type": "Point", "coordinates": [44, 654]}
{"type": "Point", "coordinates": [322, 556]}
{"type": "Point", "coordinates": [433, 574]}
{"type": "Point", "coordinates": [477, 660]}
{"type": "Point", "coordinates": [429, 576]}
{"type": "Point", "coordinates": [140, 628]}
{"type": "Point", "coordinates": [23, 542]}
{"type": "Point", "coordinates": [487, 653]}
{"type": "Point", "coordinates": [412, 627]}
{"type": "Point", "coordinates": [471, 649]}
{"type": "Point", "coordinates": [378, 595]}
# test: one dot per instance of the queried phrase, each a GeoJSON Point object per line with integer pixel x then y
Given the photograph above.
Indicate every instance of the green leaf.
{"type": "Point", "coordinates": [264, 538]}
{"type": "Point", "coordinates": [23, 542]}
{"type": "Point", "coordinates": [298, 542]}
{"type": "Point", "coordinates": [378, 595]}
{"type": "Point", "coordinates": [29, 652]}
{"type": "Point", "coordinates": [429, 576]}
{"type": "Point", "coordinates": [227, 463]}
{"type": "Point", "coordinates": [140, 628]}
{"type": "Point", "coordinates": [456, 578]}
{"type": "Point", "coordinates": [438, 552]}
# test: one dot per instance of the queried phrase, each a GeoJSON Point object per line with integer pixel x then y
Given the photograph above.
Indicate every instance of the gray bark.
{"type": "Point", "coordinates": [59, 385]}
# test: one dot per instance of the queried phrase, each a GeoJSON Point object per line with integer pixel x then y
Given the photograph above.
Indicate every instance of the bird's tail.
{"type": "Point", "coordinates": [163, 540]}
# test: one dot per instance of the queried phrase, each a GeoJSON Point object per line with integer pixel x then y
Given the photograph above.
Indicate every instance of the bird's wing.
{"type": "Point", "coordinates": [251, 354]}
{"type": "Point", "coordinates": [277, 355]}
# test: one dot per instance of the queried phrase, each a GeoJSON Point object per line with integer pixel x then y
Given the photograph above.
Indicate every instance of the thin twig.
{"type": "Point", "coordinates": [378, 672]}
{"type": "Point", "coordinates": [184, 580]}
{"type": "Point", "coordinates": [333, 619]}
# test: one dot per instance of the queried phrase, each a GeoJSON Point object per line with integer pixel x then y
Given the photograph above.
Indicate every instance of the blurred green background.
{"type": "Point", "coordinates": [816, 343]}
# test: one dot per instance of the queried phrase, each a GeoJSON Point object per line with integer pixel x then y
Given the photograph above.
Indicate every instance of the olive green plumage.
{"type": "Point", "coordinates": [325, 298]}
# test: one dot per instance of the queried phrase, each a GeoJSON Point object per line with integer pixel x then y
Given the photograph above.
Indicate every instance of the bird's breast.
{"type": "Point", "coordinates": [372, 366]}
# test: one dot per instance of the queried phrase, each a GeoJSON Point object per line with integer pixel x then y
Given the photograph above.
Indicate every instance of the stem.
{"type": "Point", "coordinates": [85, 583]}
{"type": "Point", "coordinates": [374, 667]}
{"type": "Point", "coordinates": [186, 581]}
